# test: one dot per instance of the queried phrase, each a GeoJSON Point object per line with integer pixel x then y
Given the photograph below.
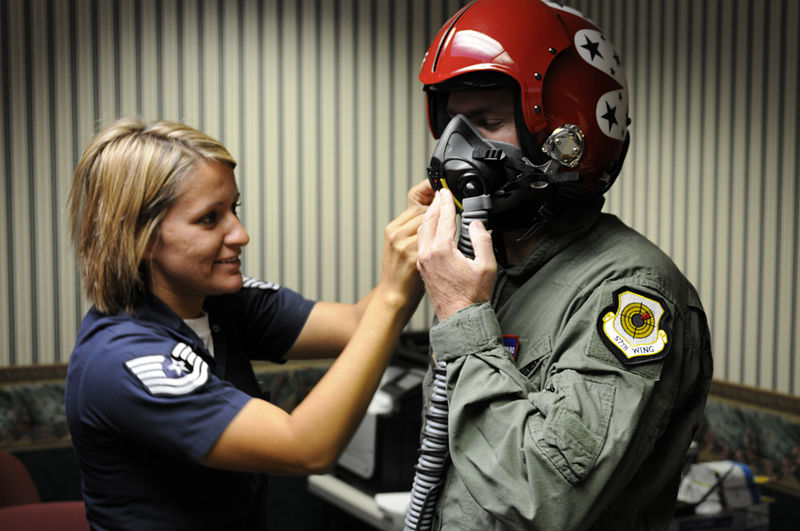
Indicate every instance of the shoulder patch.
{"type": "Point", "coordinates": [180, 373]}
{"type": "Point", "coordinates": [511, 344]}
{"type": "Point", "coordinates": [249, 282]}
{"type": "Point", "coordinates": [632, 328]}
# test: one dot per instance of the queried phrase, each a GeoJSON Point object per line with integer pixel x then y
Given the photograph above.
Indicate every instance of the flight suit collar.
{"type": "Point", "coordinates": [555, 240]}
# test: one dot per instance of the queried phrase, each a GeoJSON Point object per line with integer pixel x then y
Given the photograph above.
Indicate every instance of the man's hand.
{"type": "Point", "coordinates": [452, 280]}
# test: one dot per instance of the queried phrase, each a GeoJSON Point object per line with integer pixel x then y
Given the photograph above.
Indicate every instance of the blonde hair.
{"type": "Point", "coordinates": [123, 186]}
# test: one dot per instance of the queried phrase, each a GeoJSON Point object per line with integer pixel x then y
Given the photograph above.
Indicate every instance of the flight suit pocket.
{"type": "Point", "coordinates": [531, 362]}
{"type": "Point", "coordinates": [575, 426]}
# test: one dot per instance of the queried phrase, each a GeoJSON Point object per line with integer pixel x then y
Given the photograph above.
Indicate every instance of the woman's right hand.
{"type": "Point", "coordinates": [264, 438]}
{"type": "Point", "coordinates": [331, 325]}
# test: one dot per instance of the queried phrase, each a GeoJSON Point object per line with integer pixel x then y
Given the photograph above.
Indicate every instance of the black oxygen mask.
{"type": "Point", "coordinates": [498, 173]}
{"type": "Point", "coordinates": [470, 165]}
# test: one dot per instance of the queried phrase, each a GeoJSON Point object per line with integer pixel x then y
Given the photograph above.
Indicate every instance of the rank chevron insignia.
{"type": "Point", "coordinates": [180, 373]}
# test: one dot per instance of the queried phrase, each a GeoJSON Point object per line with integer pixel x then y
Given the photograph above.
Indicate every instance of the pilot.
{"type": "Point", "coordinates": [571, 358]}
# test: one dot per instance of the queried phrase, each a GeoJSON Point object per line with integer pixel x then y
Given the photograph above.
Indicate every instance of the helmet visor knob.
{"type": "Point", "coordinates": [565, 145]}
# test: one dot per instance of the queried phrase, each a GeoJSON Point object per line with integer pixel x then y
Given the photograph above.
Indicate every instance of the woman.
{"type": "Point", "coordinates": [162, 404]}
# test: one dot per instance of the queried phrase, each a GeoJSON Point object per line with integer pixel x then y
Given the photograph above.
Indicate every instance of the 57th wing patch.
{"type": "Point", "coordinates": [633, 329]}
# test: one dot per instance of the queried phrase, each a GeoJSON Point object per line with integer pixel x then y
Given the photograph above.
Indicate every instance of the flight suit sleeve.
{"type": "Point", "coordinates": [542, 456]}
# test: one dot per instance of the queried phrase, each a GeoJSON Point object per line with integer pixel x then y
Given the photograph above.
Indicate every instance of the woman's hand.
{"type": "Point", "coordinates": [262, 437]}
{"type": "Point", "coordinates": [400, 281]}
{"type": "Point", "coordinates": [331, 325]}
{"type": "Point", "coordinates": [452, 280]}
{"type": "Point", "coordinates": [421, 194]}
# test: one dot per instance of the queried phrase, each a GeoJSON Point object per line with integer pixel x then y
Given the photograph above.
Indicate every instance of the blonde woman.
{"type": "Point", "coordinates": [162, 404]}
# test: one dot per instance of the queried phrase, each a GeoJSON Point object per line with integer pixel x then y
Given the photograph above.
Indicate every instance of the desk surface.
{"type": "Point", "coordinates": [354, 501]}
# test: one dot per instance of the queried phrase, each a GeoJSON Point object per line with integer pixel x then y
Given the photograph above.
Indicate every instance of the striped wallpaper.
{"type": "Point", "coordinates": [318, 101]}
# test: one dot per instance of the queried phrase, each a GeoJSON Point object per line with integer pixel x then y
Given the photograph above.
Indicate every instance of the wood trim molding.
{"type": "Point", "coordinates": [753, 396]}
{"type": "Point", "coordinates": [32, 373]}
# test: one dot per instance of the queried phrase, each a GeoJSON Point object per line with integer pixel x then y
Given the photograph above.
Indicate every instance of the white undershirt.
{"type": "Point", "coordinates": [202, 329]}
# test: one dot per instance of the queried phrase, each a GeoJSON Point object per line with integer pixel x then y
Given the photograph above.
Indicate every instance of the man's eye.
{"type": "Point", "coordinates": [235, 208]}
{"type": "Point", "coordinates": [491, 125]}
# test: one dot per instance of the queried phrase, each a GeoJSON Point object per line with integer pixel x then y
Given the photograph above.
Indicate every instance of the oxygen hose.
{"type": "Point", "coordinates": [434, 450]}
{"type": "Point", "coordinates": [474, 209]}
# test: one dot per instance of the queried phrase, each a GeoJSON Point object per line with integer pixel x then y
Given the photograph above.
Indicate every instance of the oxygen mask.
{"type": "Point", "coordinates": [470, 165]}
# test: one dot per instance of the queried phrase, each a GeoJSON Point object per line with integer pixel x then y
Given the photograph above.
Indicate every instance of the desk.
{"type": "Point", "coordinates": [356, 502]}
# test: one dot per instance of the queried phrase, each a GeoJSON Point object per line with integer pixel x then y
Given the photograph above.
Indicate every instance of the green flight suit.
{"type": "Point", "coordinates": [555, 427]}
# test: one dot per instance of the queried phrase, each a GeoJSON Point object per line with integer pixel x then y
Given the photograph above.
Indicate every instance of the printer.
{"type": "Point", "coordinates": [383, 451]}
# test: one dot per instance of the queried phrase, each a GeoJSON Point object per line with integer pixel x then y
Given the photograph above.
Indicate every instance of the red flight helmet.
{"type": "Point", "coordinates": [572, 103]}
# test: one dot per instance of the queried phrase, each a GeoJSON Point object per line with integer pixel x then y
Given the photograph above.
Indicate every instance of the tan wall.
{"type": "Point", "coordinates": [318, 100]}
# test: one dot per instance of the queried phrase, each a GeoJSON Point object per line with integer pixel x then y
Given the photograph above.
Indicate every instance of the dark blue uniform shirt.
{"type": "Point", "coordinates": [146, 402]}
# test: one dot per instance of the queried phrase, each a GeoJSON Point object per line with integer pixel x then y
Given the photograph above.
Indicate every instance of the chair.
{"type": "Point", "coordinates": [22, 509]}
{"type": "Point", "coordinates": [16, 484]}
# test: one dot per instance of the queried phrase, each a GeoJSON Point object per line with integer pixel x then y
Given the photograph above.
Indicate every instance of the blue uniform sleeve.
{"type": "Point", "coordinates": [154, 391]}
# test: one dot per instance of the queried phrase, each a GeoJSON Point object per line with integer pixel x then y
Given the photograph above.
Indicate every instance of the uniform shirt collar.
{"type": "Point", "coordinates": [153, 310]}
